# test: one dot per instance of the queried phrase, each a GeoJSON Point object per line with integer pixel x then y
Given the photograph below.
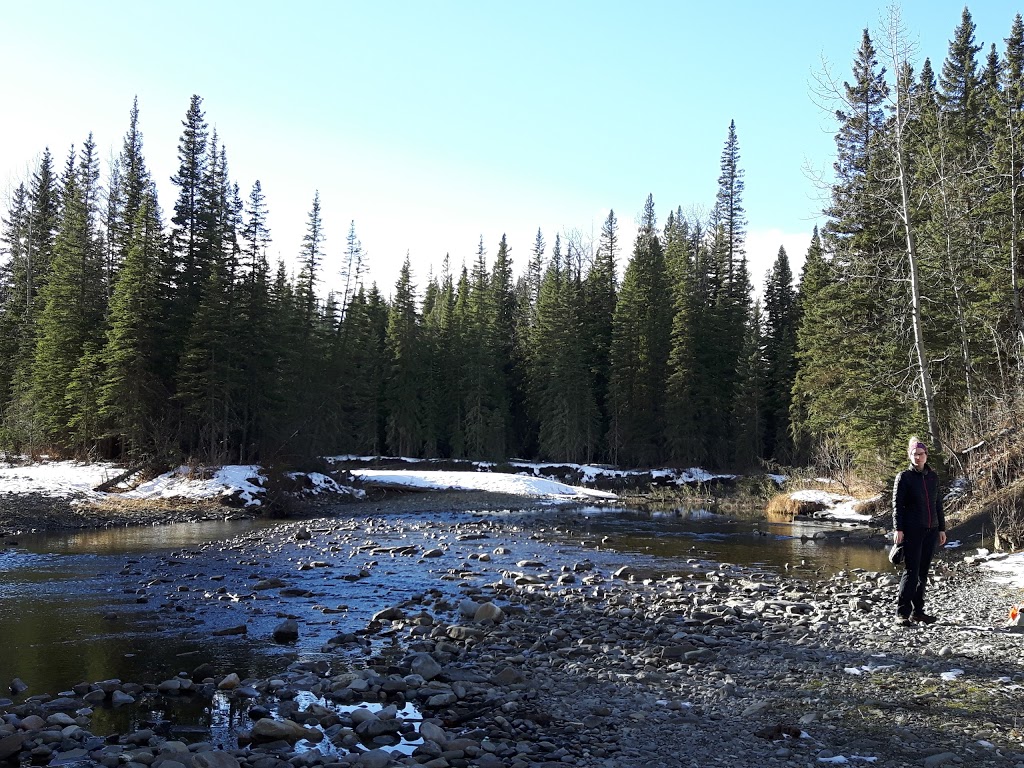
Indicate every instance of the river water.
{"type": "Point", "coordinates": [142, 604]}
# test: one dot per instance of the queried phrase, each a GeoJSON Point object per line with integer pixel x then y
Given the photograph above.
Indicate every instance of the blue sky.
{"type": "Point", "coordinates": [432, 124]}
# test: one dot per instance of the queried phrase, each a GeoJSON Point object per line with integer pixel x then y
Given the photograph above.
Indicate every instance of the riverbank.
{"type": "Point", "coordinates": [531, 661]}
{"type": "Point", "coordinates": [36, 512]}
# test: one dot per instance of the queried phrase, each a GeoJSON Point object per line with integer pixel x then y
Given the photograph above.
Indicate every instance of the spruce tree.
{"type": "Point", "coordinates": [815, 330]}
{"type": "Point", "coordinates": [14, 294]}
{"type": "Point", "coordinates": [405, 423]}
{"type": "Point", "coordinates": [861, 410]}
{"type": "Point", "coordinates": [1007, 201]}
{"type": "Point", "coordinates": [561, 383]}
{"type": "Point", "coordinates": [311, 256]}
{"type": "Point", "coordinates": [641, 336]}
{"type": "Point", "coordinates": [184, 272]}
{"type": "Point", "coordinates": [132, 396]}
{"type": "Point", "coordinates": [722, 282]}
{"type": "Point", "coordinates": [73, 303]}
{"type": "Point", "coordinates": [364, 328]}
{"type": "Point", "coordinates": [352, 269]}
{"type": "Point", "coordinates": [485, 411]}
{"type": "Point", "coordinates": [259, 393]}
{"type": "Point", "coordinates": [780, 326]}
{"type": "Point", "coordinates": [205, 383]}
{"type": "Point", "coordinates": [751, 389]}
{"type": "Point", "coordinates": [683, 442]}
{"type": "Point", "coordinates": [600, 291]}
{"type": "Point", "coordinates": [126, 197]}
{"type": "Point", "coordinates": [511, 364]}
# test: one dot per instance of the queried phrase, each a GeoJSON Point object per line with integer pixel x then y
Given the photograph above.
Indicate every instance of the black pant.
{"type": "Point", "coordinates": [918, 547]}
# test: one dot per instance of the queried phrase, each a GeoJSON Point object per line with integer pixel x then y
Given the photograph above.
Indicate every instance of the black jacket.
{"type": "Point", "coordinates": [916, 502]}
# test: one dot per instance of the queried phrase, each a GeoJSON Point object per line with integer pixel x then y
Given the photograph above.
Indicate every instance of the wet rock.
{"type": "Point", "coordinates": [375, 758]}
{"type": "Point", "coordinates": [468, 608]}
{"type": "Point", "coordinates": [464, 633]}
{"type": "Point", "coordinates": [171, 687]}
{"type": "Point", "coordinates": [273, 583]}
{"type": "Point", "coordinates": [286, 632]}
{"type": "Point", "coordinates": [214, 759]}
{"type": "Point", "coordinates": [508, 676]}
{"type": "Point", "coordinates": [17, 686]}
{"type": "Point", "coordinates": [424, 665]}
{"type": "Point", "coordinates": [488, 612]}
{"type": "Point", "coordinates": [120, 699]}
{"type": "Point", "coordinates": [230, 682]}
{"type": "Point", "coordinates": [434, 733]}
{"type": "Point", "coordinates": [11, 745]}
{"type": "Point", "coordinates": [933, 761]}
{"type": "Point", "coordinates": [241, 629]}
{"type": "Point", "coordinates": [95, 697]}
{"type": "Point", "coordinates": [267, 729]}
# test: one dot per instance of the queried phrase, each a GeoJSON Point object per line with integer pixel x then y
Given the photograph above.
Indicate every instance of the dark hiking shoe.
{"type": "Point", "coordinates": [902, 621]}
{"type": "Point", "coordinates": [924, 618]}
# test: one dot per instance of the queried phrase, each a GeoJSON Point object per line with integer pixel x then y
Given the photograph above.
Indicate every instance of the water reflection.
{"type": "Point", "coordinates": [219, 719]}
{"type": "Point", "coordinates": [672, 538]}
{"type": "Point", "coordinates": [111, 541]}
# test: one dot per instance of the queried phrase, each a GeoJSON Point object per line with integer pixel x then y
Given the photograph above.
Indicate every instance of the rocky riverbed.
{"type": "Point", "coordinates": [525, 661]}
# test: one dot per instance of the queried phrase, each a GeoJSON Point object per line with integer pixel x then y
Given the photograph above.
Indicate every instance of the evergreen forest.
{"type": "Point", "coordinates": [141, 329]}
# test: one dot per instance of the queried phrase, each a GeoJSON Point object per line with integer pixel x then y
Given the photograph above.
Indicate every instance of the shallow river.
{"type": "Point", "coordinates": [142, 604]}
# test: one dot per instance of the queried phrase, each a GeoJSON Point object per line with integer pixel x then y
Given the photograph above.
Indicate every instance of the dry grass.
{"type": "Point", "coordinates": [784, 508]}
{"type": "Point", "coordinates": [115, 503]}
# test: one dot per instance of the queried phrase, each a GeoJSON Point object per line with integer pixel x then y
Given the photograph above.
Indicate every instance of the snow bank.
{"type": "Point", "coordinates": [497, 482]}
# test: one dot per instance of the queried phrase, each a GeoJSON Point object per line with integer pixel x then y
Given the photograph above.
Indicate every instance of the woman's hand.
{"type": "Point", "coordinates": [897, 537]}
{"type": "Point", "coordinates": [942, 538]}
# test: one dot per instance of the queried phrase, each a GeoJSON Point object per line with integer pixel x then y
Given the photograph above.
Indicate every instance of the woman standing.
{"type": "Point", "coordinates": [920, 527]}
